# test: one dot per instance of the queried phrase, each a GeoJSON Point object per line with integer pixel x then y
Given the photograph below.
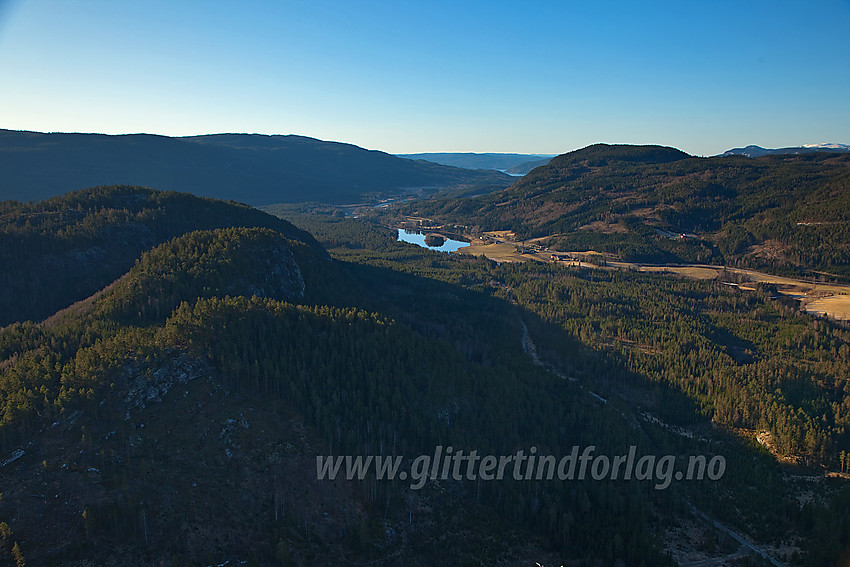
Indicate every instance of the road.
{"type": "Point", "coordinates": [737, 537]}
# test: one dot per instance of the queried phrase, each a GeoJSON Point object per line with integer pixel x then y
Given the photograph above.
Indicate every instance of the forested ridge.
{"type": "Point", "coordinates": [784, 213]}
{"type": "Point", "coordinates": [250, 168]}
{"type": "Point", "coordinates": [176, 414]}
{"type": "Point", "coordinates": [363, 381]}
{"type": "Point", "coordinates": [64, 249]}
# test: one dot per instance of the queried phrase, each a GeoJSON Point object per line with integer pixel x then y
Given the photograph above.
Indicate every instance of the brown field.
{"type": "Point", "coordinates": [831, 300]}
{"type": "Point", "coordinates": [505, 234]}
{"type": "Point", "coordinates": [497, 252]}
{"type": "Point", "coordinates": [689, 272]}
{"type": "Point", "coordinates": [815, 289]}
{"type": "Point", "coordinates": [837, 306]}
{"type": "Point", "coordinates": [605, 227]}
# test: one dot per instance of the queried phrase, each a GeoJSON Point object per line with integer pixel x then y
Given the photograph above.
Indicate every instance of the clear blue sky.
{"type": "Point", "coordinates": [400, 76]}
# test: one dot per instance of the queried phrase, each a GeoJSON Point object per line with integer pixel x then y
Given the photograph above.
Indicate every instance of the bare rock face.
{"type": "Point", "coordinates": [147, 385]}
{"type": "Point", "coordinates": [282, 278]}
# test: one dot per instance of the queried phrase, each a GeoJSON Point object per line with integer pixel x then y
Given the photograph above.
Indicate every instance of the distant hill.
{"type": "Point", "coordinates": [756, 151]}
{"type": "Point", "coordinates": [251, 168]}
{"type": "Point", "coordinates": [598, 155]}
{"type": "Point", "coordinates": [786, 212]}
{"type": "Point", "coordinates": [511, 163]}
{"type": "Point", "coordinates": [527, 166]}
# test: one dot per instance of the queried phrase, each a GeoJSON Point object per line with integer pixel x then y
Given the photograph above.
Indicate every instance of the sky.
{"type": "Point", "coordinates": [426, 76]}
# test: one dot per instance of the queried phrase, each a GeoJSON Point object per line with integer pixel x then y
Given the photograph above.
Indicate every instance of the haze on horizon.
{"type": "Point", "coordinates": [407, 77]}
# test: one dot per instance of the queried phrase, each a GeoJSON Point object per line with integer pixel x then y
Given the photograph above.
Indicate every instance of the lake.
{"type": "Point", "coordinates": [419, 239]}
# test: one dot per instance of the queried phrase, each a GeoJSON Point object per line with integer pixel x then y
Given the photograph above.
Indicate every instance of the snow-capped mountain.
{"type": "Point", "coordinates": [756, 151]}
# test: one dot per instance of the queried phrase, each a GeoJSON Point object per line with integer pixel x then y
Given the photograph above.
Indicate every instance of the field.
{"type": "Point", "coordinates": [496, 252]}
{"type": "Point", "coordinates": [831, 300]}
{"type": "Point", "coordinates": [836, 306]}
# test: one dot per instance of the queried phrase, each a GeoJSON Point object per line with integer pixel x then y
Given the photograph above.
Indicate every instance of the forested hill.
{"type": "Point", "coordinates": [175, 417]}
{"type": "Point", "coordinates": [599, 155]}
{"type": "Point", "coordinates": [63, 249]}
{"type": "Point", "coordinates": [655, 204]}
{"type": "Point", "coordinates": [254, 169]}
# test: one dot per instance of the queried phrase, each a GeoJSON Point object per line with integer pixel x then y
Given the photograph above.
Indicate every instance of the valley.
{"type": "Point", "coordinates": [424, 284]}
{"type": "Point", "coordinates": [609, 310]}
{"type": "Point", "coordinates": [828, 299]}
{"type": "Point", "coordinates": [309, 329]}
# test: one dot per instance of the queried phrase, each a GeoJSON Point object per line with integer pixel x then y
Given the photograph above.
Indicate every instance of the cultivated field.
{"type": "Point", "coordinates": [836, 306]}
{"type": "Point", "coordinates": [831, 300]}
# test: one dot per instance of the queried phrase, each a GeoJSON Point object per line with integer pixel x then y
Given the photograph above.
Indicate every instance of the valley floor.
{"type": "Point", "coordinates": [826, 299]}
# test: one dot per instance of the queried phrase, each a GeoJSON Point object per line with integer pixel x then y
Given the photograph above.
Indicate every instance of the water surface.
{"type": "Point", "coordinates": [418, 238]}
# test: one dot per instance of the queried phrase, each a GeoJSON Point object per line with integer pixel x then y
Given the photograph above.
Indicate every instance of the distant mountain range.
{"type": "Point", "coordinates": [756, 151]}
{"type": "Point", "coordinates": [517, 164]}
{"type": "Point", "coordinates": [252, 168]}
